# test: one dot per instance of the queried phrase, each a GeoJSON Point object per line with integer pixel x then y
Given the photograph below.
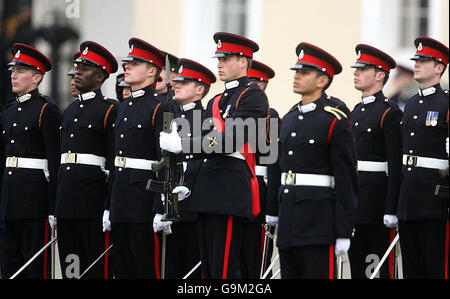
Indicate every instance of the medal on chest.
{"type": "Point", "coordinates": [432, 117]}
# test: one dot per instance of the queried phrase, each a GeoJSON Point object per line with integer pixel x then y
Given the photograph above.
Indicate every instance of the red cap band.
{"type": "Point", "coordinates": [195, 74]}
{"type": "Point", "coordinates": [258, 74]}
{"type": "Point", "coordinates": [31, 60]}
{"type": "Point", "coordinates": [153, 58]}
{"type": "Point", "coordinates": [364, 57]}
{"type": "Point", "coordinates": [99, 59]}
{"type": "Point", "coordinates": [433, 53]}
{"type": "Point", "coordinates": [235, 48]}
{"type": "Point", "coordinates": [321, 63]}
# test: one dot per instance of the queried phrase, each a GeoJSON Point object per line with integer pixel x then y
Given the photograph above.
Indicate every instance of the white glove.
{"type": "Point", "coordinates": [342, 246]}
{"type": "Point", "coordinates": [183, 193]}
{"type": "Point", "coordinates": [390, 220]}
{"type": "Point", "coordinates": [52, 221]}
{"type": "Point", "coordinates": [106, 222]}
{"type": "Point", "coordinates": [446, 145]}
{"type": "Point", "coordinates": [171, 142]}
{"type": "Point", "coordinates": [159, 225]}
{"type": "Point", "coordinates": [271, 220]}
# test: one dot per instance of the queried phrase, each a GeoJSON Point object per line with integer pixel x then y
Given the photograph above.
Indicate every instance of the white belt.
{"type": "Point", "coordinates": [261, 171]}
{"type": "Point", "coordinates": [31, 163]}
{"type": "Point", "coordinates": [305, 179]}
{"type": "Point", "coordinates": [372, 166]}
{"type": "Point", "coordinates": [88, 159]}
{"type": "Point", "coordinates": [134, 163]}
{"type": "Point", "coordinates": [424, 162]}
{"type": "Point", "coordinates": [237, 155]}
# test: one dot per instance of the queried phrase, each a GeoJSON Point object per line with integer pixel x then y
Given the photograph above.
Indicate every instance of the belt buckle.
{"type": "Point", "coordinates": [411, 160]}
{"type": "Point", "coordinates": [290, 179]}
{"type": "Point", "coordinates": [12, 162]}
{"type": "Point", "coordinates": [70, 158]}
{"type": "Point", "coordinates": [120, 162]}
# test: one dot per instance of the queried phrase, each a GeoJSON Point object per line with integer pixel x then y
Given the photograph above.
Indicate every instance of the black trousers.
{"type": "Point", "coordinates": [369, 244]}
{"type": "Point", "coordinates": [136, 251]}
{"type": "Point", "coordinates": [310, 262]}
{"type": "Point", "coordinates": [80, 243]}
{"type": "Point", "coordinates": [220, 238]}
{"type": "Point", "coordinates": [182, 252]}
{"type": "Point", "coordinates": [252, 249]}
{"type": "Point", "coordinates": [19, 241]}
{"type": "Point", "coordinates": [424, 248]}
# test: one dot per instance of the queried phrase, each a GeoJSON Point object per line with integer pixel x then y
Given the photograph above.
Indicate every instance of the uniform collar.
{"type": "Point", "coordinates": [372, 98]}
{"type": "Point", "coordinates": [235, 83]}
{"type": "Point", "coordinates": [306, 108]}
{"type": "Point", "coordinates": [87, 96]}
{"type": "Point", "coordinates": [188, 106]}
{"type": "Point", "coordinates": [368, 100]}
{"type": "Point", "coordinates": [27, 96]}
{"type": "Point", "coordinates": [429, 91]}
{"type": "Point", "coordinates": [146, 90]}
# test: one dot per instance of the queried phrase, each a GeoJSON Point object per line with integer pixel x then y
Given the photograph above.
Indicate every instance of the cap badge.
{"type": "Point", "coordinates": [301, 55]}
{"type": "Point", "coordinates": [180, 70]}
{"type": "Point", "coordinates": [420, 47]}
{"type": "Point", "coordinates": [85, 51]}
{"type": "Point", "coordinates": [359, 54]}
{"type": "Point", "coordinates": [17, 54]}
{"type": "Point", "coordinates": [219, 44]}
{"type": "Point", "coordinates": [131, 49]}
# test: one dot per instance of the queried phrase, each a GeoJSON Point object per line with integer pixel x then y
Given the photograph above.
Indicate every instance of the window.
{"type": "Point", "coordinates": [413, 20]}
{"type": "Point", "coordinates": [234, 16]}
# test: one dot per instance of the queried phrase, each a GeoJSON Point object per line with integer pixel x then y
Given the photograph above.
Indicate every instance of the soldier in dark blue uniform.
{"type": "Point", "coordinates": [191, 85]}
{"type": "Point", "coordinates": [73, 89]}
{"type": "Point", "coordinates": [254, 230]}
{"type": "Point", "coordinates": [139, 121]}
{"type": "Point", "coordinates": [376, 129]}
{"type": "Point", "coordinates": [31, 138]}
{"type": "Point", "coordinates": [422, 214]}
{"type": "Point", "coordinates": [230, 163]}
{"type": "Point", "coordinates": [87, 157]}
{"type": "Point", "coordinates": [318, 175]}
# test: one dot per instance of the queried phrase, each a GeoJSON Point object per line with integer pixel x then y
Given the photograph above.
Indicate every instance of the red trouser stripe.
{"type": "Point", "coordinates": [227, 246]}
{"type": "Point", "coordinates": [446, 251]}
{"type": "Point", "coordinates": [331, 262]}
{"type": "Point", "coordinates": [106, 255]}
{"type": "Point", "coordinates": [155, 236]}
{"type": "Point", "coordinates": [391, 255]}
{"type": "Point", "coordinates": [45, 251]}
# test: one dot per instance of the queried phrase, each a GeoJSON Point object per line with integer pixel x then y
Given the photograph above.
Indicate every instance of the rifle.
{"type": "Point", "coordinates": [173, 169]}
{"type": "Point", "coordinates": [173, 172]}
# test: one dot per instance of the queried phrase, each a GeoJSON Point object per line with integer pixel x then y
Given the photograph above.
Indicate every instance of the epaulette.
{"type": "Point", "coordinates": [335, 101]}
{"type": "Point", "coordinates": [293, 108]}
{"type": "Point", "coordinates": [336, 112]}
{"type": "Point", "coordinates": [110, 100]}
{"type": "Point", "coordinates": [48, 99]}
